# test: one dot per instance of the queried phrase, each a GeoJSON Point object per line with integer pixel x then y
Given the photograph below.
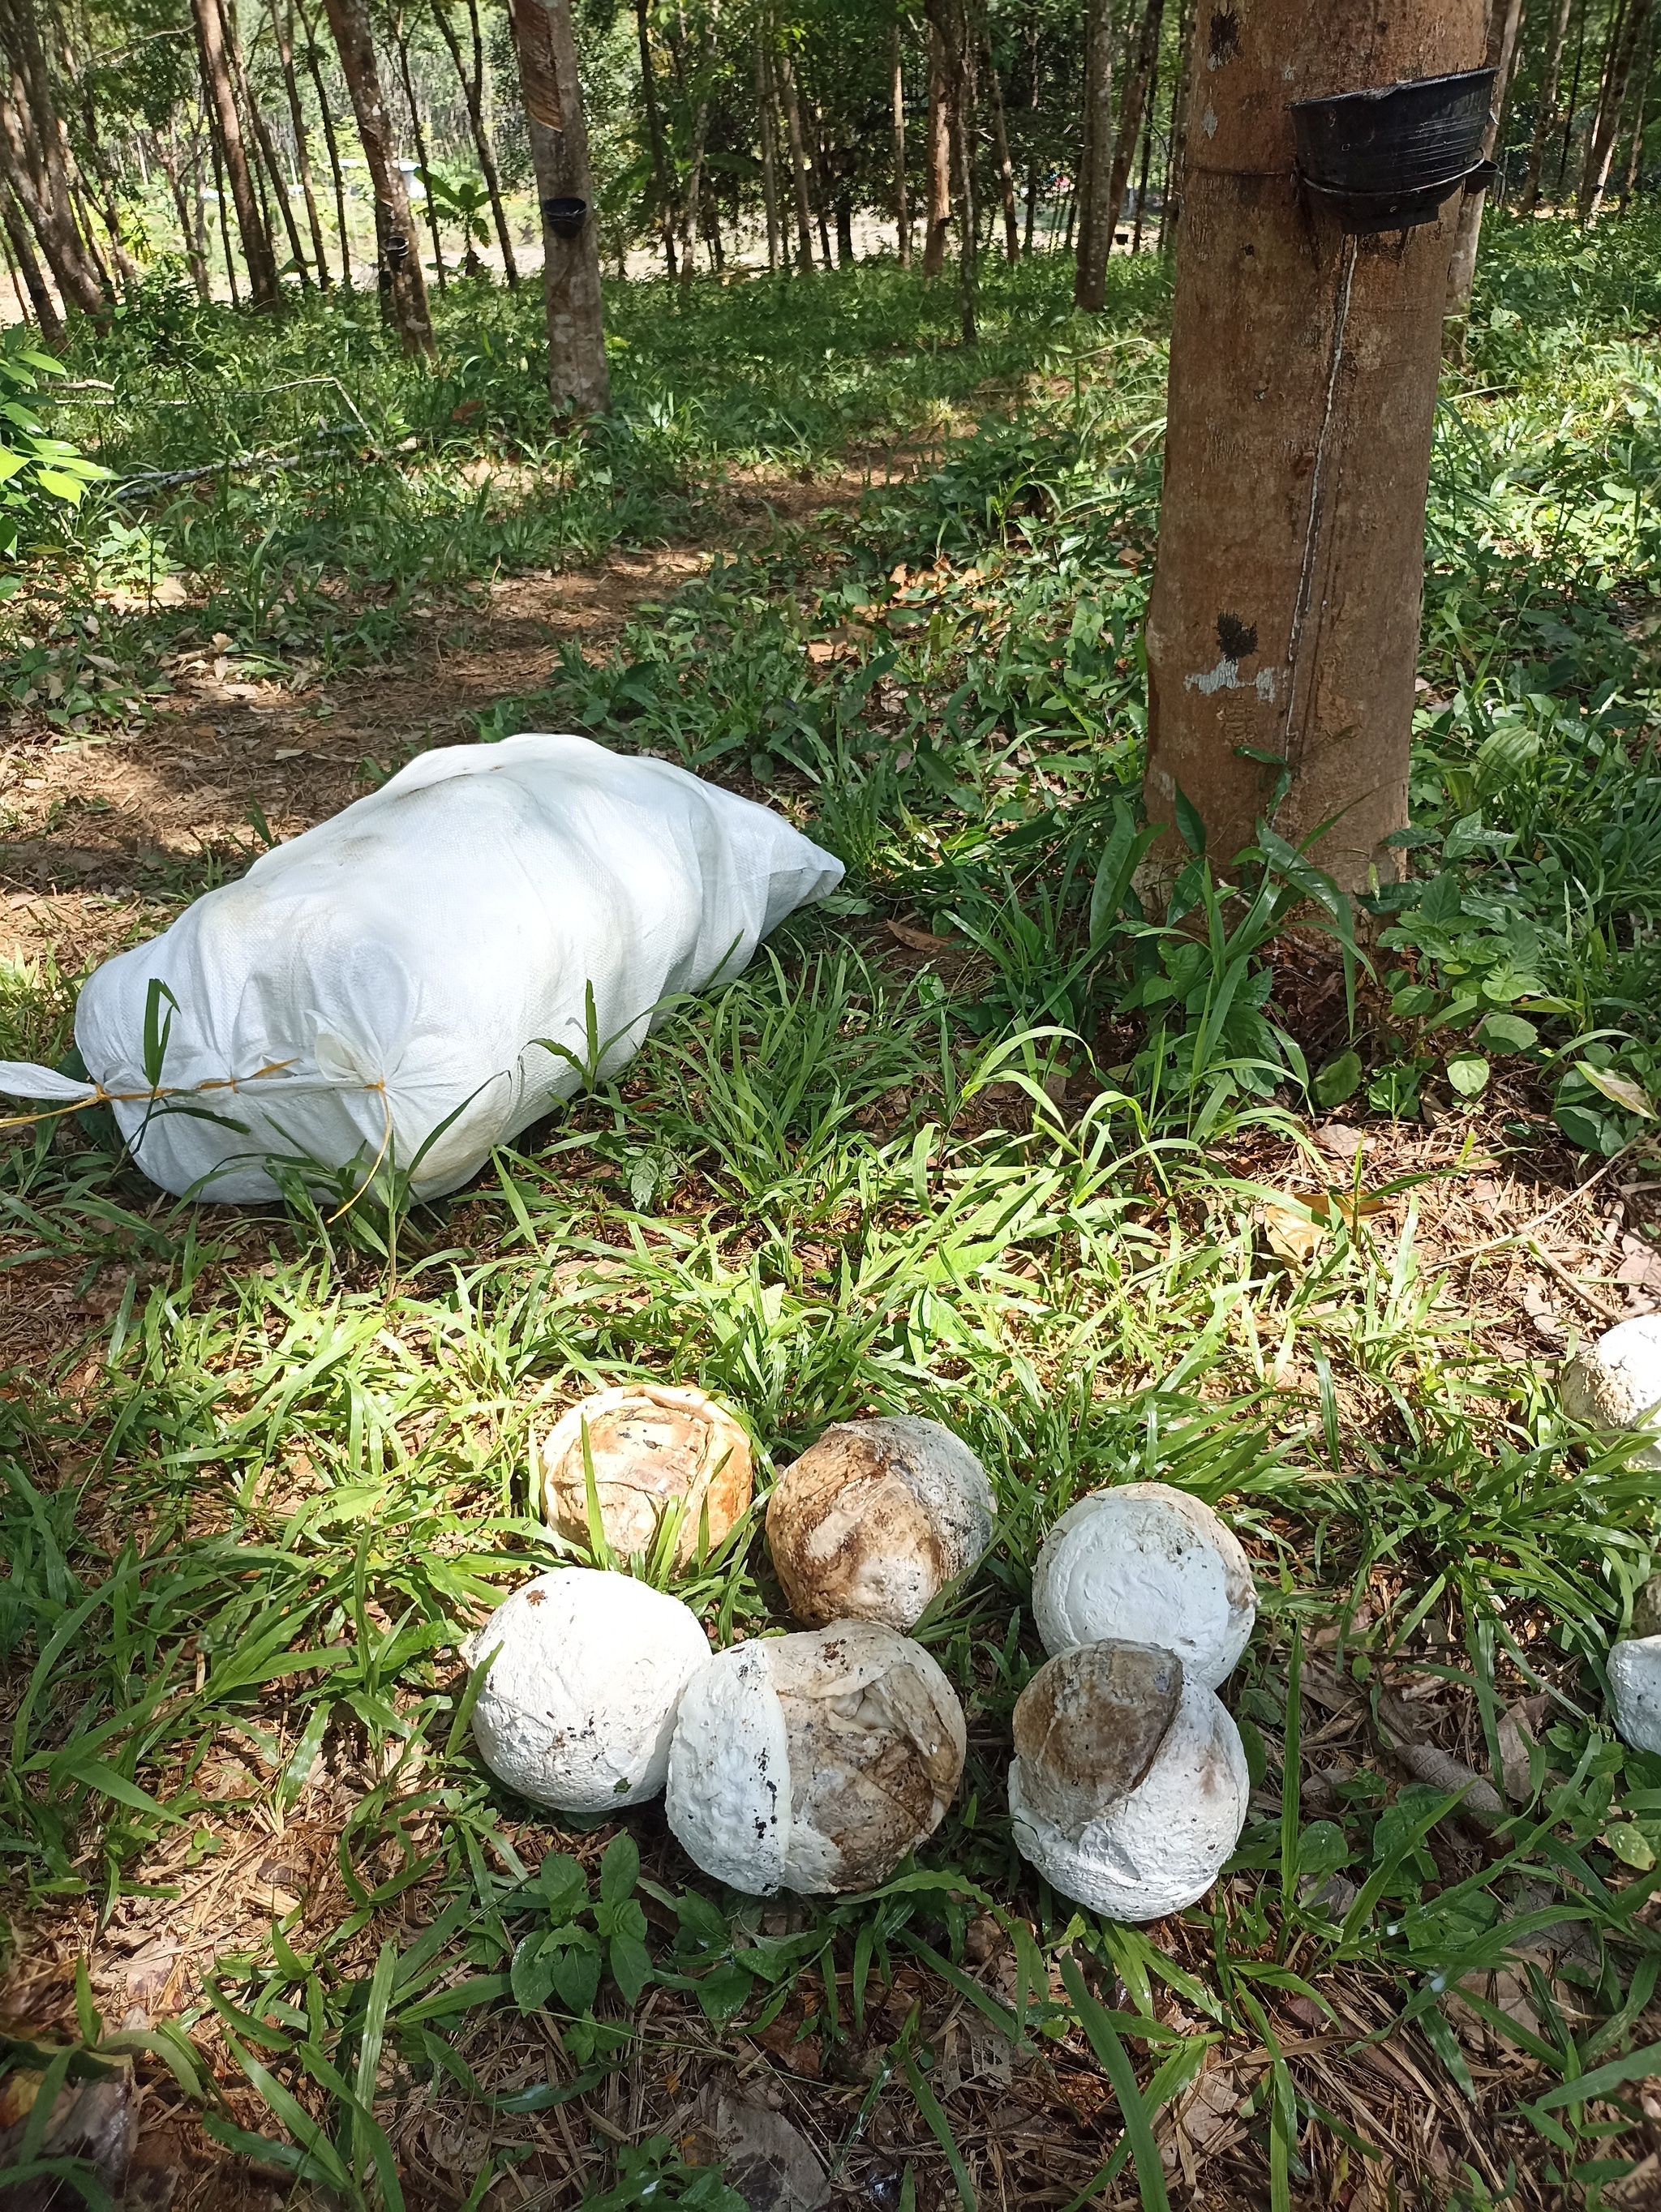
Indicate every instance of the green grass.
{"type": "Point", "coordinates": [251, 1512]}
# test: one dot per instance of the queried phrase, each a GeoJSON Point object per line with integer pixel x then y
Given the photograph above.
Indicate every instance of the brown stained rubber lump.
{"type": "Point", "coordinates": [874, 1521]}
{"type": "Point", "coordinates": [654, 1450]}
{"type": "Point", "coordinates": [813, 1762]}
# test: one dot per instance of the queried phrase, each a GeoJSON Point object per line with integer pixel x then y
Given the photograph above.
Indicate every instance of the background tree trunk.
{"type": "Point", "coordinates": [400, 37]}
{"type": "Point", "coordinates": [1096, 211]}
{"type": "Point", "coordinates": [403, 286]}
{"type": "Point", "coordinates": [314, 69]}
{"type": "Point", "coordinates": [1011, 222]}
{"type": "Point", "coordinates": [227, 129]}
{"type": "Point", "coordinates": [767, 125]}
{"type": "Point", "coordinates": [166, 153]}
{"type": "Point", "coordinates": [36, 162]}
{"type": "Point", "coordinates": [1573, 102]}
{"type": "Point", "coordinates": [1283, 634]}
{"type": "Point", "coordinates": [283, 30]}
{"type": "Point", "coordinates": [1138, 83]}
{"type": "Point", "coordinates": [268, 155]}
{"type": "Point", "coordinates": [1504, 21]}
{"type": "Point", "coordinates": [1639, 119]}
{"type": "Point", "coordinates": [902, 203]}
{"type": "Point", "coordinates": [797, 162]}
{"type": "Point", "coordinates": [1624, 41]}
{"type": "Point", "coordinates": [1546, 114]}
{"type": "Point", "coordinates": [661, 177]}
{"type": "Point", "coordinates": [939, 154]}
{"type": "Point", "coordinates": [34, 282]}
{"type": "Point", "coordinates": [1171, 198]}
{"type": "Point", "coordinates": [578, 380]}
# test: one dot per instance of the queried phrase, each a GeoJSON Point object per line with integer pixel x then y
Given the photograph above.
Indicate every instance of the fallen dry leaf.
{"type": "Point", "coordinates": [919, 940]}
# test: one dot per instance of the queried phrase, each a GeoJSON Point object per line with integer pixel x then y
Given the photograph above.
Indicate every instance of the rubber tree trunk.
{"type": "Point", "coordinates": [1096, 209]}
{"type": "Point", "coordinates": [902, 200]}
{"type": "Point", "coordinates": [797, 162]}
{"type": "Point", "coordinates": [1639, 119]}
{"type": "Point", "coordinates": [662, 178]}
{"type": "Point", "coordinates": [767, 128]}
{"type": "Point", "coordinates": [33, 278]}
{"type": "Point", "coordinates": [1572, 108]}
{"type": "Point", "coordinates": [403, 286]}
{"type": "Point", "coordinates": [314, 69]}
{"type": "Point", "coordinates": [1170, 211]}
{"type": "Point", "coordinates": [36, 161]}
{"type": "Point", "coordinates": [266, 147]}
{"type": "Point", "coordinates": [1138, 84]}
{"type": "Point", "coordinates": [1282, 633]}
{"type": "Point", "coordinates": [1616, 77]}
{"type": "Point", "coordinates": [958, 39]}
{"type": "Point", "coordinates": [472, 95]}
{"type": "Point", "coordinates": [401, 39]}
{"type": "Point", "coordinates": [1545, 117]}
{"type": "Point", "coordinates": [1011, 221]}
{"type": "Point", "coordinates": [578, 381]}
{"type": "Point", "coordinates": [939, 154]}
{"type": "Point", "coordinates": [167, 155]}
{"type": "Point", "coordinates": [227, 125]}
{"type": "Point", "coordinates": [693, 196]}
{"type": "Point", "coordinates": [283, 30]}
{"type": "Point", "coordinates": [1504, 21]}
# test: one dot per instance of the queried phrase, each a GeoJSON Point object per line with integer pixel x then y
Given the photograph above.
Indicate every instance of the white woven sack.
{"type": "Point", "coordinates": [398, 965]}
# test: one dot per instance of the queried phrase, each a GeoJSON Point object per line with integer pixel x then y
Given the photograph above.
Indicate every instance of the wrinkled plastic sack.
{"type": "Point", "coordinates": [371, 1000]}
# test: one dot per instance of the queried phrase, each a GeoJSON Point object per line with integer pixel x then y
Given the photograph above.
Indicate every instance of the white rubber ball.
{"type": "Point", "coordinates": [1148, 1564]}
{"type": "Point", "coordinates": [1141, 1852]}
{"type": "Point", "coordinates": [578, 1704]}
{"type": "Point", "coordinates": [813, 1762]}
{"type": "Point", "coordinates": [1615, 1383]}
{"type": "Point", "coordinates": [1636, 1688]}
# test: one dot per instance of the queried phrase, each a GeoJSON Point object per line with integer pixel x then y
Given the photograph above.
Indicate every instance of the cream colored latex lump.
{"type": "Point", "coordinates": [1148, 1564]}
{"type": "Point", "coordinates": [1129, 1787]}
{"type": "Point", "coordinates": [578, 1704]}
{"type": "Point", "coordinates": [813, 1762]}
{"type": "Point", "coordinates": [1615, 1383]}
{"type": "Point", "coordinates": [1634, 1668]}
{"type": "Point", "coordinates": [876, 1519]}
{"type": "Point", "coordinates": [652, 1449]}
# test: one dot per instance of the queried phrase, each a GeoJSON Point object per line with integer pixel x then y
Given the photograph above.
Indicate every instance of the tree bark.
{"type": "Point", "coordinates": [1148, 158]}
{"type": "Point", "coordinates": [939, 152]}
{"type": "Point", "coordinates": [472, 94]}
{"type": "Point", "coordinates": [1573, 102]}
{"type": "Point", "coordinates": [1639, 121]}
{"type": "Point", "coordinates": [1011, 221]}
{"type": "Point", "coordinates": [821, 177]}
{"type": "Point", "coordinates": [797, 162]}
{"type": "Point", "coordinates": [965, 105]}
{"type": "Point", "coordinates": [1096, 211]}
{"type": "Point", "coordinates": [257, 255]}
{"type": "Point", "coordinates": [1137, 85]}
{"type": "Point", "coordinates": [767, 123]}
{"type": "Point", "coordinates": [578, 381]}
{"type": "Point", "coordinates": [314, 69]}
{"type": "Point", "coordinates": [167, 152]}
{"type": "Point", "coordinates": [220, 200]}
{"type": "Point", "coordinates": [283, 30]}
{"type": "Point", "coordinates": [1504, 21]}
{"type": "Point", "coordinates": [37, 164]}
{"type": "Point", "coordinates": [689, 206]}
{"type": "Point", "coordinates": [1283, 634]}
{"type": "Point", "coordinates": [403, 286]}
{"type": "Point", "coordinates": [661, 175]}
{"type": "Point", "coordinates": [901, 201]}
{"type": "Point", "coordinates": [1617, 75]}
{"type": "Point", "coordinates": [1170, 198]}
{"type": "Point", "coordinates": [401, 39]}
{"type": "Point", "coordinates": [1546, 114]}
{"type": "Point", "coordinates": [33, 279]}
{"type": "Point", "coordinates": [267, 150]}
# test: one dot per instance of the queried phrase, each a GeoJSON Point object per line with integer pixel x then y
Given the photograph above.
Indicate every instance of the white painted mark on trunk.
{"type": "Point", "coordinates": [1225, 676]}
